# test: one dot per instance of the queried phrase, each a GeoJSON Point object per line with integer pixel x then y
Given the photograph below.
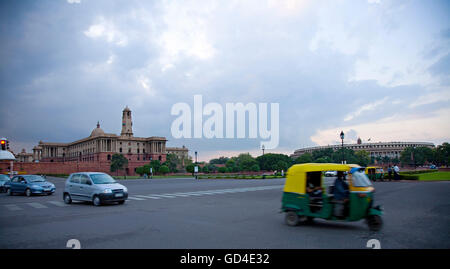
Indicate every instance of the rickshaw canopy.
{"type": "Point", "coordinates": [296, 174]}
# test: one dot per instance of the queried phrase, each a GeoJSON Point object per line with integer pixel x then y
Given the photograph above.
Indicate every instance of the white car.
{"type": "Point", "coordinates": [331, 173]}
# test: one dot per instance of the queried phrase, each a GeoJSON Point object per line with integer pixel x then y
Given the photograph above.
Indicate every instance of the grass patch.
{"type": "Point", "coordinates": [440, 175]}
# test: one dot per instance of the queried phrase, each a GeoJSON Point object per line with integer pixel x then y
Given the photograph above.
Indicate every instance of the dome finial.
{"type": "Point", "coordinates": [98, 124]}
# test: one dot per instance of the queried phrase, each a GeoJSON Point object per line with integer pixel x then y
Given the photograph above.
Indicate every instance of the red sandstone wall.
{"type": "Point", "coordinates": [71, 167]}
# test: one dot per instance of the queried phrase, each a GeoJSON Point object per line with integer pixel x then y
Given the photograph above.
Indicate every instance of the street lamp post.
{"type": "Point", "coordinates": [196, 166]}
{"type": "Point", "coordinates": [342, 138]}
{"type": "Point", "coordinates": [263, 148]}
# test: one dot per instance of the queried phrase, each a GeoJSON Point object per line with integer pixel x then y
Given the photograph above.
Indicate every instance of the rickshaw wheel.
{"type": "Point", "coordinates": [291, 218]}
{"type": "Point", "coordinates": [375, 222]}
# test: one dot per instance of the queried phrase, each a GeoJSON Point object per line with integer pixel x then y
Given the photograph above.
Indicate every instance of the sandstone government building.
{"type": "Point", "coordinates": [94, 152]}
{"type": "Point", "coordinates": [375, 149]}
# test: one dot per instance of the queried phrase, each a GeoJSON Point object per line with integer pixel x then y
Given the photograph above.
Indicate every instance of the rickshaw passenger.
{"type": "Point", "coordinates": [341, 194]}
{"type": "Point", "coordinates": [313, 187]}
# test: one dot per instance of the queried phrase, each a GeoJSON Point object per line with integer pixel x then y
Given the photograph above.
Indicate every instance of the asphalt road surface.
{"type": "Point", "coordinates": [225, 214]}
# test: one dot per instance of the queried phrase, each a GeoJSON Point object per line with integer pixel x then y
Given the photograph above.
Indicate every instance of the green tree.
{"type": "Point", "coordinates": [255, 168]}
{"type": "Point", "coordinates": [416, 156]}
{"type": "Point", "coordinates": [222, 169]}
{"type": "Point", "coordinates": [230, 163]}
{"type": "Point", "coordinates": [304, 158]}
{"type": "Point", "coordinates": [323, 159]}
{"type": "Point", "coordinates": [155, 165]}
{"type": "Point", "coordinates": [245, 162]}
{"type": "Point", "coordinates": [118, 162]}
{"type": "Point", "coordinates": [190, 168]}
{"type": "Point", "coordinates": [205, 169]}
{"type": "Point", "coordinates": [269, 161]}
{"type": "Point", "coordinates": [172, 161]}
{"type": "Point", "coordinates": [220, 160]}
{"type": "Point", "coordinates": [163, 169]}
{"type": "Point", "coordinates": [362, 157]}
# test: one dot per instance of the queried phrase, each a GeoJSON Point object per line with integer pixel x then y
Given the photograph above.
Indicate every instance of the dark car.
{"type": "Point", "coordinates": [3, 180]}
{"type": "Point", "coordinates": [29, 185]}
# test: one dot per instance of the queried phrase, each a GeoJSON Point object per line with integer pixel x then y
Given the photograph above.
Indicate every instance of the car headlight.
{"type": "Point", "coordinates": [125, 189]}
{"type": "Point", "coordinates": [107, 191]}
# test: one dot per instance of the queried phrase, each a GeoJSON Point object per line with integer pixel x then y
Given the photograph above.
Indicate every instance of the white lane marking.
{"type": "Point", "coordinates": [13, 207]}
{"type": "Point", "coordinates": [166, 195]}
{"type": "Point", "coordinates": [201, 193]}
{"type": "Point", "coordinates": [147, 196]}
{"type": "Point", "coordinates": [57, 203]}
{"type": "Point", "coordinates": [37, 205]}
{"type": "Point", "coordinates": [135, 198]}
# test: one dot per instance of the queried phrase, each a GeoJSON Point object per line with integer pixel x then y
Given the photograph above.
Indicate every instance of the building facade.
{"type": "Point", "coordinates": [378, 149]}
{"type": "Point", "coordinates": [97, 149]}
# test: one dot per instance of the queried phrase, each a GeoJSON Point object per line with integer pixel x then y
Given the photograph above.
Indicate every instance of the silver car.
{"type": "Point", "coordinates": [94, 187]}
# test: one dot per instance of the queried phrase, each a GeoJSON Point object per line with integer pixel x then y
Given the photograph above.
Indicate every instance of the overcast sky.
{"type": "Point", "coordinates": [376, 69]}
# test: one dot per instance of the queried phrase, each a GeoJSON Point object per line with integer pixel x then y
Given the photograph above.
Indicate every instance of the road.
{"type": "Point", "coordinates": [226, 214]}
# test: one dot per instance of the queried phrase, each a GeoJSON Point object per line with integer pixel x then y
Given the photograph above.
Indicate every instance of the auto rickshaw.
{"type": "Point", "coordinates": [375, 173]}
{"type": "Point", "coordinates": [300, 207]}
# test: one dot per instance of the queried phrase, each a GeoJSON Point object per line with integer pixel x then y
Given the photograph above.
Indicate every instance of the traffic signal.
{"type": "Point", "coordinates": [3, 144]}
{"type": "Point", "coordinates": [7, 144]}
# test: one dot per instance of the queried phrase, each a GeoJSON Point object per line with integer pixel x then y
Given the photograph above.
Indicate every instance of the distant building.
{"type": "Point", "coordinates": [380, 149]}
{"type": "Point", "coordinates": [181, 153]}
{"type": "Point", "coordinates": [95, 151]}
{"type": "Point", "coordinates": [24, 157]}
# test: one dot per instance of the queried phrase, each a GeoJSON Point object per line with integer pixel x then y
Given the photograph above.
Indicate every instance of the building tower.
{"type": "Point", "coordinates": [127, 124]}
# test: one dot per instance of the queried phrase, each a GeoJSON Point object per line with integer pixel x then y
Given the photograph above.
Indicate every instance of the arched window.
{"type": "Point", "coordinates": [109, 157]}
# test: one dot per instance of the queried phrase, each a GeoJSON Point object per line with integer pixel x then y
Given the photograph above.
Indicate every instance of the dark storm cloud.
{"type": "Point", "coordinates": [66, 66]}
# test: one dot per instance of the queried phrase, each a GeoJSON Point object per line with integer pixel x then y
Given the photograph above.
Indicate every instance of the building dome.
{"type": "Point", "coordinates": [97, 131]}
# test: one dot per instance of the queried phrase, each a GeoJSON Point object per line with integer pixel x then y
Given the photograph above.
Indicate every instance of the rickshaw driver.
{"type": "Point", "coordinates": [341, 195]}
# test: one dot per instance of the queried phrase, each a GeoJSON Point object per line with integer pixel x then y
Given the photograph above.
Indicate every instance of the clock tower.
{"type": "Point", "coordinates": [127, 123]}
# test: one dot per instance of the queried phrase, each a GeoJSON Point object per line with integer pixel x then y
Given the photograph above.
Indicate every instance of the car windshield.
{"type": "Point", "coordinates": [34, 179]}
{"type": "Point", "coordinates": [360, 179]}
{"type": "Point", "coordinates": [102, 179]}
{"type": "Point", "coordinates": [4, 178]}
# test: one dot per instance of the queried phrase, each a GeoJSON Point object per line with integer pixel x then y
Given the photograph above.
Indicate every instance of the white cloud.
{"type": "Point", "coordinates": [434, 127]}
{"type": "Point", "coordinates": [106, 29]}
{"type": "Point", "coordinates": [432, 97]}
{"type": "Point", "coordinates": [187, 33]}
{"type": "Point", "coordinates": [74, 1]}
{"type": "Point", "coordinates": [366, 107]}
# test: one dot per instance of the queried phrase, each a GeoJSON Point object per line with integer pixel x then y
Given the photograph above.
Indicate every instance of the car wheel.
{"type": "Point", "coordinates": [121, 202]}
{"type": "Point", "coordinates": [374, 222]}
{"type": "Point", "coordinates": [28, 192]}
{"type": "Point", "coordinates": [291, 218]}
{"type": "Point", "coordinates": [96, 201]}
{"type": "Point", "coordinates": [67, 198]}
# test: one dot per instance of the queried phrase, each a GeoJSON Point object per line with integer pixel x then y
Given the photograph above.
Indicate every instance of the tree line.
{"type": "Point", "coordinates": [244, 162]}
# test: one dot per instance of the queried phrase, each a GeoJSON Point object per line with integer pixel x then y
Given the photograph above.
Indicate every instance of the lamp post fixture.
{"type": "Point", "coordinates": [196, 167]}
{"type": "Point", "coordinates": [263, 148]}
{"type": "Point", "coordinates": [342, 138]}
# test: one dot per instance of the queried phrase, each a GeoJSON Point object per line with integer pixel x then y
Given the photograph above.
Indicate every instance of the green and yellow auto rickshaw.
{"type": "Point", "coordinates": [301, 205]}
{"type": "Point", "coordinates": [375, 173]}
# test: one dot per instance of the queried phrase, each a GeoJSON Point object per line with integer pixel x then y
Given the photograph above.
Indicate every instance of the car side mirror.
{"type": "Point", "coordinates": [89, 183]}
